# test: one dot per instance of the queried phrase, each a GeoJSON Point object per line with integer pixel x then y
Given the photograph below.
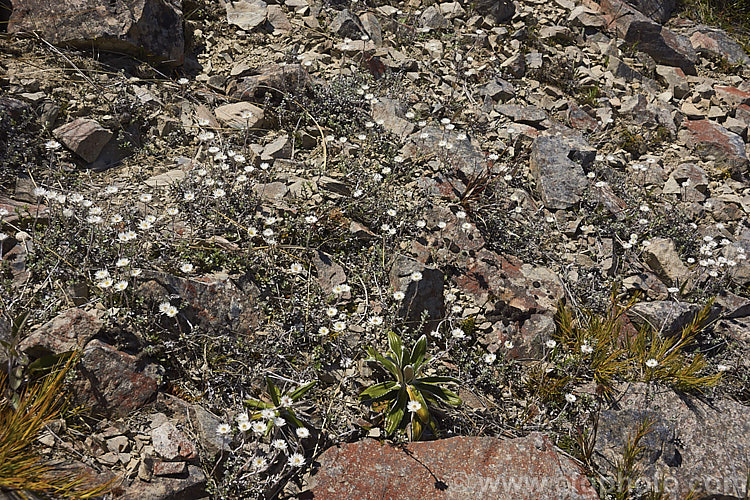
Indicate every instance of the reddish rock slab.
{"type": "Point", "coordinates": [113, 382]}
{"type": "Point", "coordinates": [84, 137]}
{"type": "Point", "coordinates": [709, 139]}
{"type": "Point", "coordinates": [458, 468]}
{"type": "Point", "coordinates": [732, 95]}
{"type": "Point", "coordinates": [171, 444]}
{"type": "Point", "coordinates": [139, 27]}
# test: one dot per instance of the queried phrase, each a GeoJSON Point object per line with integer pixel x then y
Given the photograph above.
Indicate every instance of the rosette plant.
{"type": "Point", "coordinates": [394, 396]}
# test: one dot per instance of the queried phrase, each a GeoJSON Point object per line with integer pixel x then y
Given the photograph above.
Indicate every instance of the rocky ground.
{"type": "Point", "coordinates": [220, 205]}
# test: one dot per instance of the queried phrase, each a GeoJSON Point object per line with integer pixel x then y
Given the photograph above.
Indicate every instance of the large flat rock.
{"type": "Point", "coordinates": [139, 27]}
{"type": "Point", "coordinates": [456, 468]}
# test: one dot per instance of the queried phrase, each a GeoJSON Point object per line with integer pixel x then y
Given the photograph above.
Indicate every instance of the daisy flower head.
{"type": "Point", "coordinates": [244, 425]}
{"type": "Point", "coordinates": [375, 320]}
{"type": "Point", "coordinates": [296, 460]}
{"type": "Point", "coordinates": [399, 295]}
{"type": "Point", "coordinates": [268, 413]}
{"type": "Point", "coordinates": [302, 432]}
{"type": "Point", "coordinates": [258, 428]}
{"type": "Point", "coordinates": [586, 349]}
{"type": "Point", "coordinates": [106, 283]}
{"type": "Point", "coordinates": [489, 358]}
{"type": "Point", "coordinates": [120, 286]}
{"type": "Point", "coordinates": [223, 429]}
{"type": "Point", "coordinates": [296, 268]}
{"type": "Point", "coordinates": [279, 444]}
{"type": "Point", "coordinates": [570, 398]}
{"type": "Point", "coordinates": [145, 198]}
{"type": "Point", "coordinates": [311, 219]}
{"type": "Point", "coordinates": [458, 333]}
{"type": "Point", "coordinates": [122, 262]}
{"type": "Point", "coordinates": [286, 401]}
{"type": "Point", "coordinates": [331, 312]}
{"type": "Point", "coordinates": [188, 196]}
{"type": "Point", "coordinates": [259, 462]}
{"type": "Point", "coordinates": [413, 406]}
{"type": "Point", "coordinates": [100, 275]}
{"type": "Point", "coordinates": [551, 344]}
{"type": "Point", "coordinates": [187, 267]}
{"type": "Point", "coordinates": [172, 211]}
{"type": "Point", "coordinates": [508, 344]}
{"type": "Point", "coordinates": [652, 363]}
{"type": "Point", "coordinates": [242, 417]}
{"type": "Point", "coordinates": [339, 326]}
{"type": "Point", "coordinates": [415, 276]}
{"type": "Point", "coordinates": [279, 422]}
{"type": "Point", "coordinates": [145, 225]}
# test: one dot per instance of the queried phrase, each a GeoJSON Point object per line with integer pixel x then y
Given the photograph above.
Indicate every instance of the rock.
{"type": "Point", "coordinates": [498, 90]}
{"type": "Point", "coordinates": [281, 147]}
{"type": "Point", "coordinates": [171, 444]}
{"type": "Point", "coordinates": [205, 425]}
{"type": "Point", "coordinates": [346, 25]}
{"type": "Point", "coordinates": [674, 79]}
{"type": "Point", "coordinates": [715, 42]}
{"type": "Point", "coordinates": [216, 301]}
{"type": "Point", "coordinates": [372, 28]}
{"type": "Point", "coordinates": [240, 115]}
{"type": "Point", "coordinates": [559, 180]}
{"type": "Point", "coordinates": [508, 286]}
{"type": "Point", "coordinates": [451, 10]}
{"type": "Point", "coordinates": [330, 273]}
{"type": "Point", "coordinates": [732, 95]}
{"type": "Point", "coordinates": [515, 65]}
{"type": "Point", "coordinates": [278, 20]}
{"type": "Point", "coordinates": [621, 70]}
{"type": "Point", "coordinates": [530, 115]}
{"type": "Point", "coordinates": [170, 468]}
{"type": "Point", "coordinates": [496, 10]}
{"type": "Point", "coordinates": [425, 294]}
{"type": "Point", "coordinates": [667, 317]}
{"type": "Point", "coordinates": [662, 257]}
{"type": "Point", "coordinates": [658, 10]}
{"type": "Point", "coordinates": [388, 111]}
{"type": "Point", "coordinates": [272, 80]}
{"type": "Point", "coordinates": [712, 141]}
{"type": "Point", "coordinates": [246, 14]}
{"type": "Point", "coordinates": [190, 485]}
{"type": "Point", "coordinates": [682, 444]}
{"type": "Point", "coordinates": [432, 18]}
{"type": "Point", "coordinates": [665, 46]}
{"type": "Point", "coordinates": [460, 467]}
{"type": "Point", "coordinates": [135, 27]}
{"type": "Point", "coordinates": [65, 332]}
{"type": "Point", "coordinates": [84, 137]}
{"type": "Point", "coordinates": [584, 17]}
{"type": "Point", "coordinates": [113, 382]}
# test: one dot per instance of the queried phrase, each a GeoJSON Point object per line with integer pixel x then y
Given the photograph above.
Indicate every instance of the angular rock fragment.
{"type": "Point", "coordinates": [240, 115]}
{"type": "Point", "coordinates": [560, 181]}
{"type": "Point", "coordinates": [712, 141]}
{"type": "Point", "coordinates": [85, 137]}
{"type": "Point", "coordinates": [246, 14]}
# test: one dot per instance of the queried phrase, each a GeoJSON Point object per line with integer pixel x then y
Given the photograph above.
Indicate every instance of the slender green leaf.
{"type": "Point", "coordinates": [257, 404]}
{"type": "Point", "coordinates": [297, 394]}
{"type": "Point", "coordinates": [274, 392]}
{"type": "Point", "coordinates": [438, 380]}
{"type": "Point", "coordinates": [438, 393]}
{"type": "Point", "coordinates": [418, 351]}
{"type": "Point", "coordinates": [394, 344]}
{"type": "Point", "coordinates": [396, 414]}
{"type": "Point", "coordinates": [377, 390]}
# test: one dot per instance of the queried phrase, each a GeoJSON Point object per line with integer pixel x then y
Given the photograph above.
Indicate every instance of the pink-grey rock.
{"type": "Point", "coordinates": [240, 115]}
{"type": "Point", "coordinates": [150, 27]}
{"type": "Point", "coordinates": [732, 95]}
{"type": "Point", "coordinates": [171, 444]}
{"type": "Point", "coordinates": [273, 80]}
{"type": "Point", "coordinates": [113, 382]}
{"type": "Point", "coordinates": [712, 141]}
{"type": "Point", "coordinates": [67, 331]}
{"type": "Point", "coordinates": [458, 468]}
{"type": "Point", "coordinates": [694, 443]}
{"type": "Point", "coordinates": [190, 485]}
{"type": "Point", "coordinates": [658, 10]}
{"type": "Point", "coordinates": [717, 43]}
{"type": "Point", "coordinates": [83, 136]}
{"type": "Point", "coordinates": [246, 14]}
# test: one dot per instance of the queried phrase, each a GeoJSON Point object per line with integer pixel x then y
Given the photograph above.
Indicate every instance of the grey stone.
{"type": "Point", "coordinates": [246, 14]}
{"type": "Point", "coordinates": [432, 18]}
{"type": "Point", "coordinates": [662, 257]}
{"type": "Point", "coordinates": [153, 27]}
{"type": "Point", "coordinates": [712, 141]}
{"type": "Point", "coordinates": [65, 332]}
{"type": "Point", "coordinates": [171, 444]}
{"type": "Point", "coordinates": [694, 444]}
{"type": "Point", "coordinates": [559, 180]}
{"type": "Point", "coordinates": [675, 80]}
{"type": "Point", "coordinates": [424, 295]}
{"type": "Point", "coordinates": [668, 317]}
{"type": "Point", "coordinates": [346, 25]}
{"type": "Point", "coordinates": [390, 113]}
{"type": "Point", "coordinates": [530, 115]}
{"type": "Point", "coordinates": [497, 10]}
